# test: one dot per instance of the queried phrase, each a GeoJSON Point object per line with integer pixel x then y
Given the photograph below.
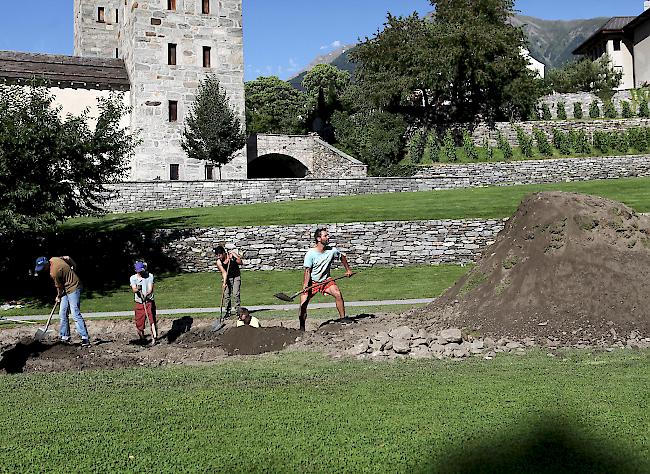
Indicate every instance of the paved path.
{"type": "Point", "coordinates": [277, 307]}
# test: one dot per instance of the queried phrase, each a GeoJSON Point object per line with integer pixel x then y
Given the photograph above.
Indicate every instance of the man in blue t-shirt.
{"type": "Point", "coordinates": [318, 262]}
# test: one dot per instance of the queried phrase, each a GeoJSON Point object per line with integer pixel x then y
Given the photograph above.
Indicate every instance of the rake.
{"type": "Point", "coordinates": [285, 297]}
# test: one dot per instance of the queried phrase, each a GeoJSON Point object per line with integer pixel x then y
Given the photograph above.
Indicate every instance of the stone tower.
{"type": "Point", "coordinates": [168, 46]}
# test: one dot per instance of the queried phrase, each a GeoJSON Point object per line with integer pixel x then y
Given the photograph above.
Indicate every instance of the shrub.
{"type": "Point", "coordinates": [448, 150]}
{"type": "Point", "coordinates": [469, 147]}
{"type": "Point", "coordinates": [594, 110]}
{"type": "Point", "coordinates": [644, 110]}
{"type": "Point", "coordinates": [546, 112]}
{"type": "Point", "coordinates": [620, 142]}
{"type": "Point", "coordinates": [416, 146]}
{"type": "Point", "coordinates": [579, 142]}
{"type": "Point", "coordinates": [602, 141]}
{"type": "Point", "coordinates": [489, 151]}
{"type": "Point", "coordinates": [561, 141]}
{"type": "Point", "coordinates": [525, 142]}
{"type": "Point", "coordinates": [609, 111]}
{"type": "Point", "coordinates": [504, 146]}
{"type": "Point", "coordinates": [577, 110]}
{"type": "Point", "coordinates": [626, 109]}
{"type": "Point", "coordinates": [543, 144]}
{"type": "Point", "coordinates": [561, 111]}
{"type": "Point", "coordinates": [432, 147]}
{"type": "Point", "coordinates": [638, 139]}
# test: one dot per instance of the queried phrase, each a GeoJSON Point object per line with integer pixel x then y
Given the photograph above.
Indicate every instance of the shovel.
{"type": "Point", "coordinates": [285, 297]}
{"type": "Point", "coordinates": [40, 334]}
{"type": "Point", "coordinates": [218, 325]}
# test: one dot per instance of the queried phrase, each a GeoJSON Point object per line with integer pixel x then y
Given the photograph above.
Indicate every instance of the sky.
{"type": "Point", "coordinates": [281, 37]}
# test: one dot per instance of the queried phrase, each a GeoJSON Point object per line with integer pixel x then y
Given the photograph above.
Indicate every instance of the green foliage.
{"type": "Point", "coordinates": [626, 109]}
{"type": "Point", "coordinates": [561, 141]}
{"type": "Point", "coordinates": [594, 110]}
{"type": "Point", "coordinates": [274, 106]}
{"type": "Point", "coordinates": [416, 146]}
{"type": "Point", "coordinates": [504, 146]}
{"type": "Point", "coordinates": [432, 150]}
{"type": "Point", "coordinates": [326, 79]}
{"type": "Point", "coordinates": [620, 142]}
{"type": "Point", "coordinates": [53, 167]}
{"type": "Point", "coordinates": [488, 150]}
{"type": "Point", "coordinates": [525, 142]}
{"type": "Point", "coordinates": [546, 112]}
{"type": "Point", "coordinates": [584, 75]}
{"type": "Point", "coordinates": [543, 144]}
{"type": "Point", "coordinates": [577, 110]}
{"type": "Point", "coordinates": [448, 150]}
{"type": "Point", "coordinates": [644, 110]}
{"type": "Point", "coordinates": [579, 142]}
{"type": "Point", "coordinates": [469, 147]}
{"type": "Point", "coordinates": [326, 87]}
{"type": "Point", "coordinates": [561, 111]}
{"type": "Point", "coordinates": [374, 137]}
{"type": "Point", "coordinates": [459, 66]}
{"type": "Point", "coordinates": [602, 141]}
{"type": "Point", "coordinates": [638, 139]}
{"type": "Point", "coordinates": [213, 132]}
{"type": "Point", "coordinates": [609, 111]}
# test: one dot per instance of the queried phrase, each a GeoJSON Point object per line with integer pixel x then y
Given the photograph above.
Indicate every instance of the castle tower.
{"type": "Point", "coordinates": [168, 47]}
{"type": "Point", "coordinates": [96, 28]}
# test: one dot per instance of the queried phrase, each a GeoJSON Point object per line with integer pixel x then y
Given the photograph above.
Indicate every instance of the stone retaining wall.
{"type": "Point", "coordinates": [508, 130]}
{"type": "Point", "coordinates": [366, 244]}
{"type": "Point", "coordinates": [153, 195]}
{"type": "Point", "coordinates": [584, 98]}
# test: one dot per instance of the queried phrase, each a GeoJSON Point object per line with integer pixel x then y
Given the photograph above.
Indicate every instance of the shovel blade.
{"type": "Point", "coordinates": [40, 334]}
{"type": "Point", "coordinates": [283, 297]}
{"type": "Point", "coordinates": [218, 326]}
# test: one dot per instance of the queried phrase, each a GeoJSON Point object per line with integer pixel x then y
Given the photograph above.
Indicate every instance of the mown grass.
{"type": "Point", "coordinates": [485, 203]}
{"type": "Point", "coordinates": [306, 413]}
{"type": "Point", "coordinates": [203, 290]}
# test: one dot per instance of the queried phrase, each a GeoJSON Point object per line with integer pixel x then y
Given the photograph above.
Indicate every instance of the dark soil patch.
{"type": "Point", "coordinates": [246, 340]}
{"type": "Point", "coordinates": [566, 265]}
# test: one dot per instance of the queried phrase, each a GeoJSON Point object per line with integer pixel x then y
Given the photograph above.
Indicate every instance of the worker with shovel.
{"type": "Point", "coordinates": [145, 307]}
{"type": "Point", "coordinates": [318, 262]}
{"type": "Point", "coordinates": [68, 294]}
{"type": "Point", "coordinates": [228, 263]}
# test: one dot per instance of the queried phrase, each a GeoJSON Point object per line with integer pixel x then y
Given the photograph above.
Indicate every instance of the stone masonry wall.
{"type": "Point", "coordinates": [93, 38]}
{"type": "Point", "coordinates": [331, 162]}
{"type": "Point", "coordinates": [508, 129]}
{"type": "Point", "coordinates": [141, 196]}
{"type": "Point", "coordinates": [584, 98]}
{"type": "Point", "coordinates": [399, 244]}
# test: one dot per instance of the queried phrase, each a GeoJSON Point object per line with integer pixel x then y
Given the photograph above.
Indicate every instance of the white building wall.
{"type": "Point", "coordinates": [623, 61]}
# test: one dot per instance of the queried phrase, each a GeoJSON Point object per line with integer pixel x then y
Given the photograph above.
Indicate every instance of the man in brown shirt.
{"type": "Point", "coordinates": [68, 293]}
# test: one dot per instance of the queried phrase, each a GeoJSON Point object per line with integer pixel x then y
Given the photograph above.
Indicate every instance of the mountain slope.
{"type": "Point", "coordinates": [551, 42]}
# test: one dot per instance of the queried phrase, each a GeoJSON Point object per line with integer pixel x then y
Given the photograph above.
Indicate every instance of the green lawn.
{"type": "Point", "coordinates": [305, 413]}
{"type": "Point", "coordinates": [489, 202]}
{"type": "Point", "coordinates": [202, 290]}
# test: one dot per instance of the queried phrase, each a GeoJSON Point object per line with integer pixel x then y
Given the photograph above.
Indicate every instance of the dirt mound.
{"type": "Point", "coordinates": [566, 265]}
{"type": "Point", "coordinates": [246, 340]}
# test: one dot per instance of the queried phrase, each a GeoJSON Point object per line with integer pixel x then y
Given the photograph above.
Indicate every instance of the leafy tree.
{"type": "Point", "coordinates": [504, 145]}
{"type": "Point", "coordinates": [374, 137]}
{"type": "Point", "coordinates": [462, 66]}
{"type": "Point", "coordinates": [448, 150]}
{"type": "Point", "coordinates": [609, 111]}
{"type": "Point", "coordinates": [432, 150]}
{"type": "Point", "coordinates": [561, 111]}
{"type": "Point", "coordinates": [53, 167]}
{"type": "Point", "coordinates": [546, 112]}
{"type": "Point", "coordinates": [525, 142]}
{"type": "Point", "coordinates": [469, 147]}
{"type": "Point", "coordinates": [626, 109]}
{"type": "Point", "coordinates": [416, 146]}
{"type": "Point", "coordinates": [543, 145]}
{"type": "Point", "coordinates": [584, 75]}
{"type": "Point", "coordinates": [275, 106]}
{"type": "Point", "coordinates": [213, 132]}
{"type": "Point", "coordinates": [325, 86]}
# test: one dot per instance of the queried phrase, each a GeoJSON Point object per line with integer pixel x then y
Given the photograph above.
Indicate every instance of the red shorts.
{"type": "Point", "coordinates": [140, 314]}
{"type": "Point", "coordinates": [321, 287]}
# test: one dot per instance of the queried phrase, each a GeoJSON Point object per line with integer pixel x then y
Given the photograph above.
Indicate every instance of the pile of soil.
{"type": "Point", "coordinates": [567, 266]}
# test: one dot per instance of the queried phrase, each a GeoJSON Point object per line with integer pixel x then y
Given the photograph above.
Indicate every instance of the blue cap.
{"type": "Point", "coordinates": [140, 266]}
{"type": "Point", "coordinates": [41, 263]}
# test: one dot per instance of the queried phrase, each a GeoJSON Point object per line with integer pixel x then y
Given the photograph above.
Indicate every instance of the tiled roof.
{"type": "Point", "coordinates": [65, 71]}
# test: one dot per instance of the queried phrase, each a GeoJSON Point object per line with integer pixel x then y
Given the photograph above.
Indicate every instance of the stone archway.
{"type": "Point", "coordinates": [276, 165]}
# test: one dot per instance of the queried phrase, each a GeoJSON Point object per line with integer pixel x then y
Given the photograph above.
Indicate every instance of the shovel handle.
{"type": "Point", "coordinates": [320, 283]}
